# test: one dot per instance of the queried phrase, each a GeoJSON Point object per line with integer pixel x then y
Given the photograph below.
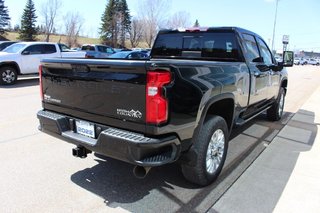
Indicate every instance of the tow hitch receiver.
{"type": "Point", "coordinates": [80, 152]}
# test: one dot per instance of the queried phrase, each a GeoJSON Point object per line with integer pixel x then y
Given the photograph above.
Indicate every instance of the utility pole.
{"type": "Point", "coordinates": [274, 25]}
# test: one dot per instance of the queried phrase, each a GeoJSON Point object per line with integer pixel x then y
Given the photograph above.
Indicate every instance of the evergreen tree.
{"type": "Point", "coordinates": [125, 21]}
{"type": "Point", "coordinates": [28, 29]}
{"type": "Point", "coordinates": [107, 26]}
{"type": "Point", "coordinates": [115, 22]}
{"type": "Point", "coordinates": [4, 17]}
{"type": "Point", "coordinates": [196, 24]}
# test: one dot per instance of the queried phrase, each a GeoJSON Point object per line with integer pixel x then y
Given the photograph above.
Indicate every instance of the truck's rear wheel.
{"type": "Point", "coordinates": [8, 75]}
{"type": "Point", "coordinates": [210, 143]}
{"type": "Point", "coordinates": [276, 111]}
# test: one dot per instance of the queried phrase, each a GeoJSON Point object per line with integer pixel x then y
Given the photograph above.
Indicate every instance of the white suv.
{"type": "Point", "coordinates": [24, 58]}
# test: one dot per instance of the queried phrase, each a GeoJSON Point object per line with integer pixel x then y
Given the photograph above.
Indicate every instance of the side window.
{"type": "Point", "coordinates": [49, 49]}
{"type": "Point", "coordinates": [265, 52]}
{"type": "Point", "coordinates": [109, 50]}
{"type": "Point", "coordinates": [251, 51]}
{"type": "Point", "coordinates": [101, 49]}
{"type": "Point", "coordinates": [87, 48]}
{"type": "Point", "coordinates": [34, 49]}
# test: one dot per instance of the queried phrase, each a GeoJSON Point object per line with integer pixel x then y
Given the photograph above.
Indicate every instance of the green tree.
{"type": "Point", "coordinates": [28, 29]}
{"type": "Point", "coordinates": [115, 22]}
{"type": "Point", "coordinates": [4, 17]}
{"type": "Point", "coordinates": [107, 25]}
{"type": "Point", "coordinates": [196, 24]}
{"type": "Point", "coordinates": [125, 21]}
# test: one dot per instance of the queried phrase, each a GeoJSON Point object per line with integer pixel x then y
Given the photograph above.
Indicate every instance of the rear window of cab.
{"type": "Point", "coordinates": [197, 45]}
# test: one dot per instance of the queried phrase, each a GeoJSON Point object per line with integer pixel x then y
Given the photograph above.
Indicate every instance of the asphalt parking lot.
{"type": "Point", "coordinates": [38, 172]}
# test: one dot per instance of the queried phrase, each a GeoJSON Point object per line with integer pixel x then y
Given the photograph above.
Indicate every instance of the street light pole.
{"type": "Point", "coordinates": [274, 25]}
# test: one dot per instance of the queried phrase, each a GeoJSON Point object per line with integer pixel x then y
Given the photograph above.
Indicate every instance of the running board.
{"type": "Point", "coordinates": [241, 121]}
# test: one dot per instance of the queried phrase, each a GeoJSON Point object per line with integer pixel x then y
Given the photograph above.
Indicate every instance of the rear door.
{"type": "Point", "coordinates": [259, 72]}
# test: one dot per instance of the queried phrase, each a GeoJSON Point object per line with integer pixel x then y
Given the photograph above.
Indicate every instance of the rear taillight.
{"type": "Point", "coordinates": [40, 82]}
{"type": "Point", "coordinates": [156, 103]}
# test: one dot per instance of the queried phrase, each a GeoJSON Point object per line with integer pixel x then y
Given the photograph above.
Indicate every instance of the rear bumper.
{"type": "Point", "coordinates": [116, 143]}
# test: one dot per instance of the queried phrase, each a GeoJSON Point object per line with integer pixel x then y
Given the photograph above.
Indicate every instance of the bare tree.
{"type": "Point", "coordinates": [179, 19]}
{"type": "Point", "coordinates": [49, 11]}
{"type": "Point", "coordinates": [154, 13]}
{"type": "Point", "coordinates": [136, 32]}
{"type": "Point", "coordinates": [73, 23]}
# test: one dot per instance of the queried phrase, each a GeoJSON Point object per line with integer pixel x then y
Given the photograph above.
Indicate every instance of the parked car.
{"type": "Point", "coordinates": [296, 61]}
{"type": "Point", "coordinates": [303, 61]}
{"type": "Point", "coordinates": [97, 50]}
{"type": "Point", "coordinates": [129, 55]}
{"type": "Point", "coordinates": [313, 61]}
{"type": "Point", "coordinates": [300, 61]}
{"type": "Point", "coordinates": [24, 58]}
{"type": "Point", "coordinates": [183, 101]}
{"type": "Point", "coordinates": [5, 44]}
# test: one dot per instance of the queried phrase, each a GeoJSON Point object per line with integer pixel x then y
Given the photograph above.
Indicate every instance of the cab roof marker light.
{"type": "Point", "coordinates": [197, 29]}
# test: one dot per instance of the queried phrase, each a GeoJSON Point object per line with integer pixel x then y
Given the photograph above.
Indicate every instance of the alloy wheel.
{"type": "Point", "coordinates": [8, 76]}
{"type": "Point", "coordinates": [215, 151]}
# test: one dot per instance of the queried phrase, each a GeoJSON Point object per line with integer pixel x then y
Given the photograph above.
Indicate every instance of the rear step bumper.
{"type": "Point", "coordinates": [116, 143]}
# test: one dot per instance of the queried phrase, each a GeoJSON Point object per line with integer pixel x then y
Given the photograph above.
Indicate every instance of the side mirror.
{"type": "Point", "coordinates": [259, 59]}
{"type": "Point", "coordinates": [287, 59]}
{"type": "Point", "coordinates": [25, 53]}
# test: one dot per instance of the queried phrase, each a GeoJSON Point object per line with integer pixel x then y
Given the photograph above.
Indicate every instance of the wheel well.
{"type": "Point", "coordinates": [14, 65]}
{"type": "Point", "coordinates": [223, 108]}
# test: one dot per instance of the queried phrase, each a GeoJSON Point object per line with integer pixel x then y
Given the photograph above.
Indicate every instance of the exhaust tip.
{"type": "Point", "coordinates": [140, 171]}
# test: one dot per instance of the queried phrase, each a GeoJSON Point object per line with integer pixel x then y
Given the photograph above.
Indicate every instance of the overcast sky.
{"type": "Point", "coordinates": [297, 18]}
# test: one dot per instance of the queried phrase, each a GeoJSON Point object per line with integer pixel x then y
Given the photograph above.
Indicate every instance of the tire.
{"type": "Point", "coordinates": [8, 75]}
{"type": "Point", "coordinates": [276, 111]}
{"type": "Point", "coordinates": [210, 143]}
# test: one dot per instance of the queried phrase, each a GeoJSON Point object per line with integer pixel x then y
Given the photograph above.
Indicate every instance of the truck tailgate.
{"type": "Point", "coordinates": [109, 88]}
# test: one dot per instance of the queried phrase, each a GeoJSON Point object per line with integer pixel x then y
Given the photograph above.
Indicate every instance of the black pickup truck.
{"type": "Point", "coordinates": [184, 101]}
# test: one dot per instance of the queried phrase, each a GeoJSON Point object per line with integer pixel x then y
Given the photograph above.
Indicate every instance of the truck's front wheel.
{"type": "Point", "coordinates": [276, 110]}
{"type": "Point", "coordinates": [8, 75]}
{"type": "Point", "coordinates": [210, 143]}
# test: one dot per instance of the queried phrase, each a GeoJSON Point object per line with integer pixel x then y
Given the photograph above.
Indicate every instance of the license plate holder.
{"type": "Point", "coordinates": [85, 128]}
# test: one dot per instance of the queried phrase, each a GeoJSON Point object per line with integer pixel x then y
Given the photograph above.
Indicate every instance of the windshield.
{"type": "Point", "coordinates": [15, 48]}
{"type": "Point", "coordinates": [64, 48]}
